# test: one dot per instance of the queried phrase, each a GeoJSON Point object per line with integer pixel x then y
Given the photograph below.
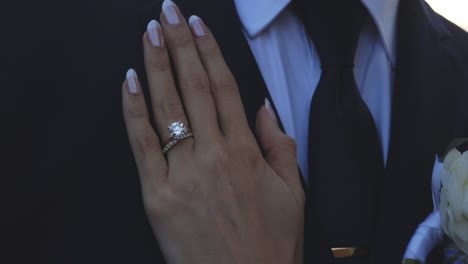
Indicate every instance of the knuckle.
{"type": "Point", "coordinates": [245, 144]}
{"type": "Point", "coordinates": [137, 113]}
{"type": "Point", "coordinates": [171, 108]}
{"type": "Point", "coordinates": [147, 142]}
{"type": "Point", "coordinates": [197, 83]}
{"type": "Point", "coordinates": [210, 51]}
{"type": "Point", "coordinates": [251, 157]}
{"type": "Point", "coordinates": [160, 202]}
{"type": "Point", "coordinates": [225, 84]}
{"type": "Point", "coordinates": [216, 152]}
{"type": "Point", "coordinates": [181, 40]}
{"type": "Point", "coordinates": [274, 154]}
{"type": "Point", "coordinates": [286, 144]}
{"type": "Point", "coordinates": [216, 156]}
{"type": "Point", "coordinates": [159, 63]}
{"type": "Point", "coordinates": [221, 156]}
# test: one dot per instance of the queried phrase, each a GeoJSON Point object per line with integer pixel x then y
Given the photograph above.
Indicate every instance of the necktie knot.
{"type": "Point", "coordinates": [334, 27]}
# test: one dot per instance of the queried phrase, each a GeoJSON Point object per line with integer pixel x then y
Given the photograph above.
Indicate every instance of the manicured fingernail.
{"type": "Point", "coordinates": [132, 81]}
{"type": "Point", "coordinates": [154, 33]}
{"type": "Point", "coordinates": [270, 110]}
{"type": "Point", "coordinates": [197, 26]}
{"type": "Point", "coordinates": [170, 12]}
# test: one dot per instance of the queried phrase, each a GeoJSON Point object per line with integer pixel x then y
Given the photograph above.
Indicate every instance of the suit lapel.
{"type": "Point", "coordinates": [422, 123]}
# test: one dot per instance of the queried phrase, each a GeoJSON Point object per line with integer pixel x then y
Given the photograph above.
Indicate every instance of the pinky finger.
{"type": "Point", "coordinates": [152, 166]}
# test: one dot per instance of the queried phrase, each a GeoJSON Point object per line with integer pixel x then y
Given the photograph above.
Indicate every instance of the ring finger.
{"type": "Point", "coordinates": [166, 102]}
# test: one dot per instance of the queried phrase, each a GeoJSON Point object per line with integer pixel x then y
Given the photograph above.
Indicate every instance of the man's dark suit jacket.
{"type": "Point", "coordinates": [71, 184]}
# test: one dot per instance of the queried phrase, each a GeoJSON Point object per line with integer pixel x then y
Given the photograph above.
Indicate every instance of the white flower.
{"type": "Point", "coordinates": [454, 198]}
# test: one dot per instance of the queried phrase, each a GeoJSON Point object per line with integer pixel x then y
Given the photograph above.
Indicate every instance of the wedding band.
{"type": "Point", "coordinates": [178, 132]}
{"type": "Point", "coordinates": [172, 143]}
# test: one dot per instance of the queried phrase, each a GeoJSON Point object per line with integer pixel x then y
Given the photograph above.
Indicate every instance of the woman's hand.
{"type": "Point", "coordinates": [214, 198]}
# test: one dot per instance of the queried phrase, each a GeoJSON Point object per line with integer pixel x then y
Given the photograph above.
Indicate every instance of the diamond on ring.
{"type": "Point", "coordinates": [177, 130]}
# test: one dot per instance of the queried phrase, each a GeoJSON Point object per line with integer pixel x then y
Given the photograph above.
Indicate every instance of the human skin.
{"type": "Point", "coordinates": [219, 196]}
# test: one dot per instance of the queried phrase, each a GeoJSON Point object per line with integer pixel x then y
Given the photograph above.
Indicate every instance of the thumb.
{"type": "Point", "coordinates": [279, 149]}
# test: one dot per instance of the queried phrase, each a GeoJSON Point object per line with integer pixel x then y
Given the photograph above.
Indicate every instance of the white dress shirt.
{"type": "Point", "coordinates": [291, 69]}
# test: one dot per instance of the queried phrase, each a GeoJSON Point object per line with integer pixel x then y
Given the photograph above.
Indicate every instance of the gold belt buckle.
{"type": "Point", "coordinates": [347, 252]}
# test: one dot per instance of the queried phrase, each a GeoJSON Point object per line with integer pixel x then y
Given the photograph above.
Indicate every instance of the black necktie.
{"type": "Point", "coordinates": [345, 156]}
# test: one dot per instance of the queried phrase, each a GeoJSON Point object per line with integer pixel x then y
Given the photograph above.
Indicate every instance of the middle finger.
{"type": "Point", "coordinates": [193, 82]}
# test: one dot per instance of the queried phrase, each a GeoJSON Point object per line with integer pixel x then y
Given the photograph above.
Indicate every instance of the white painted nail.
{"type": "Point", "coordinates": [170, 12]}
{"type": "Point", "coordinates": [153, 32]}
{"type": "Point", "coordinates": [132, 81]}
{"type": "Point", "coordinates": [197, 26]}
{"type": "Point", "coordinates": [270, 110]}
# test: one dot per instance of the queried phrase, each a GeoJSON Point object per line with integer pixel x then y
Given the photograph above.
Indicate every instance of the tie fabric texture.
{"type": "Point", "coordinates": [345, 154]}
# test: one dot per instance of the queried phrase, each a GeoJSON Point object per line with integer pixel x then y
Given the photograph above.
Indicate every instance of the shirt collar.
{"type": "Point", "coordinates": [256, 15]}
